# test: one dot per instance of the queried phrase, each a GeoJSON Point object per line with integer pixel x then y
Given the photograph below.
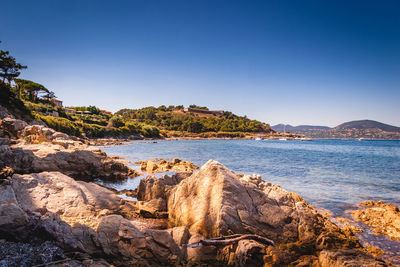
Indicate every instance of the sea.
{"type": "Point", "coordinates": [331, 175]}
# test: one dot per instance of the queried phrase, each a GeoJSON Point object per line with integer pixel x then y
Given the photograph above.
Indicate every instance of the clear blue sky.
{"type": "Point", "coordinates": [297, 62]}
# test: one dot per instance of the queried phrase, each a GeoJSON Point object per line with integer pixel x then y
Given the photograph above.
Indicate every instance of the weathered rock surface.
{"type": "Point", "coordinates": [12, 127]}
{"type": "Point", "coordinates": [348, 257]}
{"type": "Point", "coordinates": [90, 219]}
{"type": "Point", "coordinates": [80, 216]}
{"type": "Point", "coordinates": [85, 163]}
{"type": "Point", "coordinates": [383, 218]}
{"type": "Point", "coordinates": [75, 201]}
{"type": "Point", "coordinates": [214, 201]}
{"type": "Point", "coordinates": [120, 239]}
{"type": "Point", "coordinates": [347, 226]}
{"type": "Point", "coordinates": [41, 149]}
{"type": "Point", "coordinates": [162, 165]}
{"type": "Point", "coordinates": [152, 187]}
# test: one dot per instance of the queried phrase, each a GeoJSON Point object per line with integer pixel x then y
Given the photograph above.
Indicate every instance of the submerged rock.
{"type": "Point", "coordinates": [383, 218]}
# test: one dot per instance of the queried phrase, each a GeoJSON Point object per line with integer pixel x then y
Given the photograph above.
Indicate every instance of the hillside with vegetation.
{"type": "Point", "coordinates": [33, 101]}
{"type": "Point", "coordinates": [37, 102]}
{"type": "Point", "coordinates": [180, 121]}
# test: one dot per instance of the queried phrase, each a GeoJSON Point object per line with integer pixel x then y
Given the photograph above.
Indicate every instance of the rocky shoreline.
{"type": "Point", "coordinates": [51, 210]}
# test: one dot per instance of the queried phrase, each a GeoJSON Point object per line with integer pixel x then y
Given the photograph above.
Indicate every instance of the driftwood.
{"type": "Point", "coordinates": [231, 239]}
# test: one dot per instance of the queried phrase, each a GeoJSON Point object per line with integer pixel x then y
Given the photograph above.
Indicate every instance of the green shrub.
{"type": "Point", "coordinates": [93, 130]}
{"type": "Point", "coordinates": [117, 122]}
{"type": "Point", "coordinates": [134, 128]}
{"type": "Point", "coordinates": [60, 124]}
{"type": "Point", "coordinates": [9, 100]}
{"type": "Point", "coordinates": [150, 131]}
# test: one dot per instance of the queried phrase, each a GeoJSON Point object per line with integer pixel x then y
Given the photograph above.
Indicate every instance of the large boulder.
{"type": "Point", "coordinates": [214, 201]}
{"type": "Point", "coordinates": [75, 201]}
{"type": "Point", "coordinates": [40, 148]}
{"type": "Point", "coordinates": [80, 216]}
{"type": "Point", "coordinates": [86, 163]}
{"type": "Point", "coordinates": [36, 134]}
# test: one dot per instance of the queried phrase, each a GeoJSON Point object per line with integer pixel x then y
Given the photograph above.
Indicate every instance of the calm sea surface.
{"type": "Point", "coordinates": [329, 174]}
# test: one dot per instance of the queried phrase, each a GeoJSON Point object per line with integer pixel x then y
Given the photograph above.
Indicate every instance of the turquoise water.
{"type": "Point", "coordinates": [329, 174]}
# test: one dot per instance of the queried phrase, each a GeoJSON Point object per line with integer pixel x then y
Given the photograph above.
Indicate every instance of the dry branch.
{"type": "Point", "coordinates": [229, 240]}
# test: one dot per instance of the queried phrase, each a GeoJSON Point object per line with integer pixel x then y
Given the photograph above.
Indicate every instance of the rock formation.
{"type": "Point", "coordinates": [80, 216]}
{"type": "Point", "coordinates": [383, 218]}
{"type": "Point", "coordinates": [41, 149]}
{"type": "Point", "coordinates": [162, 165]}
{"type": "Point", "coordinates": [90, 219]}
{"type": "Point", "coordinates": [209, 217]}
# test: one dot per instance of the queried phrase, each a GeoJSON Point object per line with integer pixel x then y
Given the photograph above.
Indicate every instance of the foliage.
{"type": "Point", "coordinates": [117, 122]}
{"type": "Point", "coordinates": [150, 131]}
{"type": "Point", "coordinates": [198, 107]}
{"type": "Point", "coordinates": [93, 130]}
{"type": "Point", "coordinates": [93, 110]}
{"type": "Point", "coordinates": [60, 124]}
{"type": "Point", "coordinates": [79, 108]}
{"type": "Point", "coordinates": [9, 68]}
{"type": "Point", "coordinates": [32, 91]}
{"type": "Point", "coordinates": [169, 119]}
{"type": "Point", "coordinates": [14, 105]}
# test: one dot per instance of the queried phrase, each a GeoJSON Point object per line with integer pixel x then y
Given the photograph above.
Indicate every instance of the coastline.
{"type": "Point", "coordinates": [54, 162]}
{"type": "Point", "coordinates": [121, 141]}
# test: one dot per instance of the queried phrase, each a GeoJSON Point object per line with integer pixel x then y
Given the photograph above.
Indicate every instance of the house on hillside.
{"type": "Point", "coordinates": [86, 112]}
{"type": "Point", "coordinates": [57, 102]}
{"type": "Point", "coordinates": [70, 110]}
{"type": "Point", "coordinates": [203, 111]}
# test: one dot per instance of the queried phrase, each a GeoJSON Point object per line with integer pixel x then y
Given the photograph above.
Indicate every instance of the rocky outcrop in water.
{"type": "Point", "coordinates": [162, 165]}
{"type": "Point", "coordinates": [215, 201]}
{"type": "Point", "coordinates": [86, 218]}
{"type": "Point", "coordinates": [215, 217]}
{"type": "Point", "coordinates": [383, 218]}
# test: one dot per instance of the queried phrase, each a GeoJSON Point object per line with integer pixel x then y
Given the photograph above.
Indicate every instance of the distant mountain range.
{"type": "Point", "coordinates": [295, 129]}
{"type": "Point", "coordinates": [353, 129]}
{"type": "Point", "coordinates": [368, 124]}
